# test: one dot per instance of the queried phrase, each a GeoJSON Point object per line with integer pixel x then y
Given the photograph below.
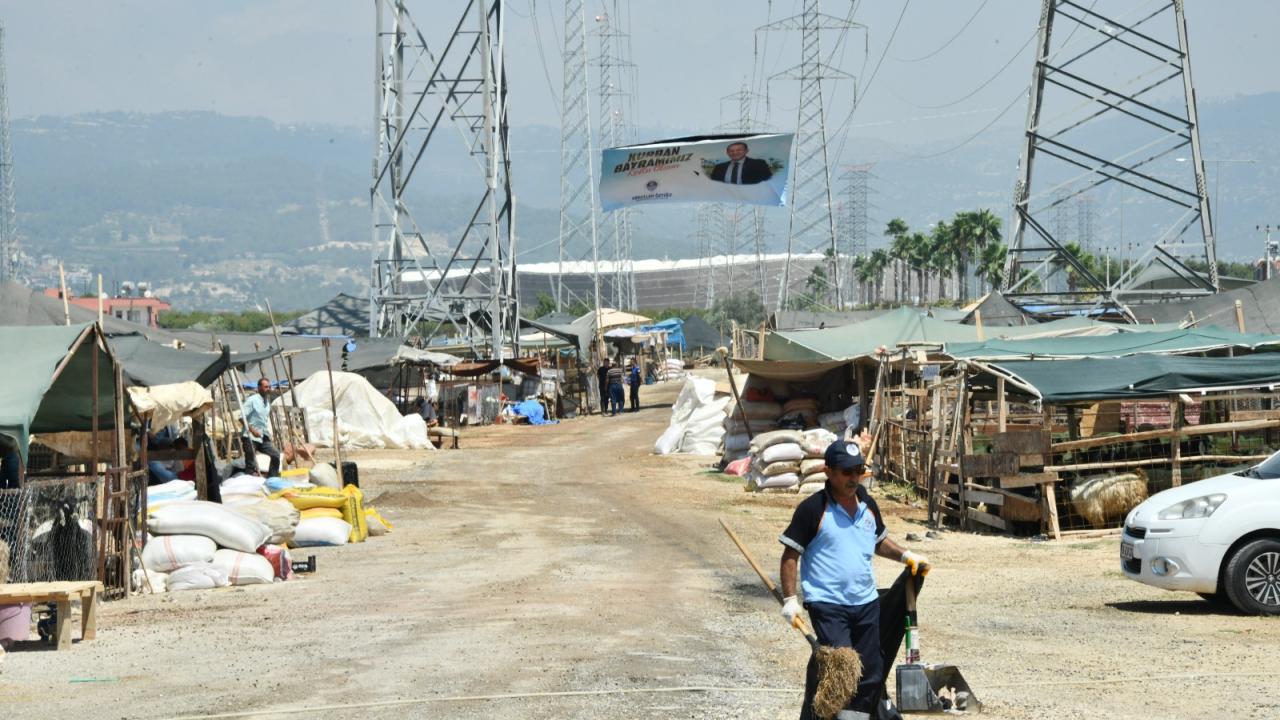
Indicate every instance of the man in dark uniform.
{"type": "Point", "coordinates": [836, 531]}
{"type": "Point", "coordinates": [740, 169]}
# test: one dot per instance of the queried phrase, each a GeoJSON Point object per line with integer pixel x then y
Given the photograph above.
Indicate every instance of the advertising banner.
{"type": "Point", "coordinates": [746, 169]}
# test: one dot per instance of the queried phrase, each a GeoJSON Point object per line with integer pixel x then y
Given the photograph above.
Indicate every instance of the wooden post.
{"type": "Point", "coordinates": [1240, 316]}
{"type": "Point", "coordinates": [66, 305]}
{"type": "Point", "coordinates": [293, 397]}
{"type": "Point", "coordinates": [1002, 403]}
{"type": "Point", "coordinates": [333, 403]}
{"type": "Point", "coordinates": [864, 397]}
{"type": "Point", "coordinates": [1048, 495]}
{"type": "Point", "coordinates": [99, 298]}
{"type": "Point", "coordinates": [1175, 448]}
{"type": "Point", "coordinates": [760, 342]}
{"type": "Point", "coordinates": [1073, 424]}
{"type": "Point", "coordinates": [977, 321]}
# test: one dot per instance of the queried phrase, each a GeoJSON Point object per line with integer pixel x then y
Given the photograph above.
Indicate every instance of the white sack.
{"type": "Point", "coordinates": [697, 420]}
{"type": "Point", "coordinates": [781, 452]}
{"type": "Point", "coordinates": [223, 525]}
{"type": "Point", "coordinates": [165, 553]}
{"type": "Point", "coordinates": [775, 437]}
{"type": "Point", "coordinates": [740, 441]}
{"type": "Point", "coordinates": [366, 418]}
{"type": "Point", "coordinates": [321, 531]}
{"type": "Point", "coordinates": [816, 442]}
{"type": "Point", "coordinates": [279, 515]}
{"type": "Point", "coordinates": [242, 484]}
{"type": "Point", "coordinates": [159, 581]}
{"type": "Point", "coordinates": [244, 568]}
{"type": "Point", "coordinates": [324, 475]}
{"type": "Point", "coordinates": [203, 576]}
{"type": "Point", "coordinates": [779, 481]}
{"type": "Point", "coordinates": [809, 466]}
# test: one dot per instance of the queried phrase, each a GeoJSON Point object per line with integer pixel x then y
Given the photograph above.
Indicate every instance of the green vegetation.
{"type": "Point", "coordinates": [244, 321]}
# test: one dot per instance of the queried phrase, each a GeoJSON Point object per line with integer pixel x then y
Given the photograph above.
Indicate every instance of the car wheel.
{"type": "Point", "coordinates": [1253, 578]}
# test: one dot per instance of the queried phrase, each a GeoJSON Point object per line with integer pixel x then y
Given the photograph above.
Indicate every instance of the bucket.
{"type": "Point", "coordinates": [15, 622]}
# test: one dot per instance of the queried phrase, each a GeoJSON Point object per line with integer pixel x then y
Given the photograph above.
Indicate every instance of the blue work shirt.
{"type": "Point", "coordinates": [257, 414]}
{"type": "Point", "coordinates": [835, 548]}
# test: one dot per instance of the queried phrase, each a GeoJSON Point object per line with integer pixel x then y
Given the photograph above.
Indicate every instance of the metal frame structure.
{"type": "Point", "coordinates": [425, 91]}
{"type": "Point", "coordinates": [617, 75]}
{"type": "Point", "coordinates": [812, 224]}
{"type": "Point", "coordinates": [854, 234]}
{"type": "Point", "coordinates": [578, 220]}
{"type": "Point", "coordinates": [1073, 87]}
{"type": "Point", "coordinates": [8, 208]}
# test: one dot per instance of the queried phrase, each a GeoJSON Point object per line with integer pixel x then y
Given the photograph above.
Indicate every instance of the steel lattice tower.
{"type": "Point", "coordinates": [616, 75]}
{"type": "Point", "coordinates": [1074, 84]}
{"type": "Point", "coordinates": [8, 209]}
{"type": "Point", "coordinates": [577, 164]}
{"type": "Point", "coordinates": [812, 226]}
{"type": "Point", "coordinates": [853, 232]}
{"type": "Point", "coordinates": [468, 288]}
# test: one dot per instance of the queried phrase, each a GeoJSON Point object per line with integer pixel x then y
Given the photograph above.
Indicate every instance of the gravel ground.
{"type": "Point", "coordinates": [567, 559]}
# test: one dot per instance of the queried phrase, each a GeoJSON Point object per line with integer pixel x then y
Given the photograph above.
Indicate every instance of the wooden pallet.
{"type": "Point", "coordinates": [60, 593]}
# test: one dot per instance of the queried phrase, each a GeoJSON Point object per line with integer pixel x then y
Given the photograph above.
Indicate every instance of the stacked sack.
{"type": "Point", "coordinates": [332, 517]}
{"type": "Point", "coordinates": [812, 468]}
{"type": "Point", "coordinates": [789, 460]}
{"type": "Point", "coordinates": [199, 545]}
{"type": "Point", "coordinates": [775, 460]}
{"type": "Point", "coordinates": [762, 417]}
{"type": "Point", "coordinates": [173, 491]}
{"type": "Point", "coordinates": [799, 413]}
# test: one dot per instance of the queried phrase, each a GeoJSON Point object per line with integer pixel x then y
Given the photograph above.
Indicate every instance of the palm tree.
{"type": "Point", "coordinates": [991, 263]}
{"type": "Point", "coordinates": [918, 248]}
{"type": "Point", "coordinates": [942, 254]}
{"type": "Point", "coordinates": [877, 264]}
{"type": "Point", "coordinates": [976, 229]}
{"type": "Point", "coordinates": [899, 247]}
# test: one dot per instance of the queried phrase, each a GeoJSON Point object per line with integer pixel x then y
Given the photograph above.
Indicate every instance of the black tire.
{"type": "Point", "coordinates": [1252, 578]}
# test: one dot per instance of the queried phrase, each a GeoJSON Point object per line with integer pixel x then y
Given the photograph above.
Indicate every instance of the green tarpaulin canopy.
{"type": "Point", "coordinates": [1207, 339]}
{"type": "Point", "coordinates": [48, 381]}
{"type": "Point", "coordinates": [148, 364]}
{"type": "Point", "coordinates": [1137, 376]}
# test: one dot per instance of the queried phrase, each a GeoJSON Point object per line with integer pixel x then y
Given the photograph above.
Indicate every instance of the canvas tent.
{"type": "Point", "coordinates": [1209, 339]}
{"type": "Point", "coordinates": [49, 387]}
{"type": "Point", "coordinates": [859, 339]}
{"type": "Point", "coordinates": [21, 306]}
{"type": "Point", "coordinates": [1259, 303]}
{"type": "Point", "coordinates": [148, 364]}
{"type": "Point", "coordinates": [701, 337]}
{"type": "Point", "coordinates": [1137, 376]}
{"type": "Point", "coordinates": [996, 311]}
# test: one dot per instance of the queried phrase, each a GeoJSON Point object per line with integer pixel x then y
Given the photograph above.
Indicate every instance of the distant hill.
{"type": "Point", "coordinates": [220, 212]}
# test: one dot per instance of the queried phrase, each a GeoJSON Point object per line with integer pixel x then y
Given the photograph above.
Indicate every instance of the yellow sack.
{"type": "Point", "coordinates": [319, 512]}
{"type": "Point", "coordinates": [378, 525]}
{"type": "Point", "coordinates": [305, 499]}
{"type": "Point", "coordinates": [353, 513]}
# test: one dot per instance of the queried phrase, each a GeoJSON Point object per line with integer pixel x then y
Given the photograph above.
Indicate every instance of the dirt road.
{"type": "Point", "coordinates": [543, 562]}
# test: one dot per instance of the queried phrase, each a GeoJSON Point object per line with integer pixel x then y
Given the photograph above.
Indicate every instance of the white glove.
{"type": "Point", "coordinates": [919, 564]}
{"type": "Point", "coordinates": [790, 609]}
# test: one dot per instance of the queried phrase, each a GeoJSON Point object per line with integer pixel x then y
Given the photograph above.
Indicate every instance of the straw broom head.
{"type": "Point", "coordinates": [839, 670]}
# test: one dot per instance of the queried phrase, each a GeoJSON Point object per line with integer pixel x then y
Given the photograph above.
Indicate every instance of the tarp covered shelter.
{"type": "Point", "coordinates": [528, 366]}
{"type": "Point", "coordinates": [1136, 376]}
{"type": "Point", "coordinates": [673, 327]}
{"type": "Point", "coordinates": [148, 364]}
{"type": "Point", "coordinates": [1209, 339]}
{"type": "Point", "coordinates": [700, 336]}
{"type": "Point", "coordinates": [49, 386]}
{"type": "Point", "coordinates": [1260, 303]}
{"type": "Point", "coordinates": [850, 341]}
{"type": "Point", "coordinates": [343, 315]}
{"type": "Point", "coordinates": [996, 311]}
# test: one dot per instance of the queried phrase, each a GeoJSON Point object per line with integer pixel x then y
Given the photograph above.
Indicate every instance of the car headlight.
{"type": "Point", "coordinates": [1201, 507]}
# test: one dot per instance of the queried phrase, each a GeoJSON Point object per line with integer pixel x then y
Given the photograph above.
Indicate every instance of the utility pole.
{"type": "Point", "coordinates": [1269, 250]}
{"type": "Point", "coordinates": [617, 74]}
{"type": "Point", "coordinates": [8, 209]}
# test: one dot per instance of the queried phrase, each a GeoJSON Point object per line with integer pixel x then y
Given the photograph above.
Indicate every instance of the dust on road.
{"type": "Point", "coordinates": [567, 559]}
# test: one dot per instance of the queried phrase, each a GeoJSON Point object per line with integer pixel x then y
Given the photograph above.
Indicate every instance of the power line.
{"type": "Point", "coordinates": [843, 132]}
{"type": "Point", "coordinates": [947, 44]}
{"type": "Point", "coordinates": [542, 56]}
{"type": "Point", "coordinates": [978, 89]}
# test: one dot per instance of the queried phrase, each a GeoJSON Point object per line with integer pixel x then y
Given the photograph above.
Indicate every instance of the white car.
{"type": "Point", "coordinates": [1217, 537]}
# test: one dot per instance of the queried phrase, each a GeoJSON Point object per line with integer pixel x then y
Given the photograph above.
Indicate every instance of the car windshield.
{"type": "Point", "coordinates": [1268, 470]}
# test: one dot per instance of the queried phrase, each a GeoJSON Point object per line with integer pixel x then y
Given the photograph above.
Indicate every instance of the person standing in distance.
{"type": "Point", "coordinates": [836, 531]}
{"type": "Point", "coordinates": [740, 169]}
{"type": "Point", "coordinates": [633, 381]}
{"type": "Point", "coordinates": [616, 396]}
{"type": "Point", "coordinates": [257, 417]}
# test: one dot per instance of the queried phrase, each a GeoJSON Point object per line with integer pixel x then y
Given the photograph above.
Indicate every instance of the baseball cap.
{"type": "Point", "coordinates": [844, 455]}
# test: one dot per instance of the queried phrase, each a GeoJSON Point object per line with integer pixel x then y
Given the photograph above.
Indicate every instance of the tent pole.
{"type": "Point", "coordinates": [66, 306]}
{"type": "Point", "coordinates": [333, 403]}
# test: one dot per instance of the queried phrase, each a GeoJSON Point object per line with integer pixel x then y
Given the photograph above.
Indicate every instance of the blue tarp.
{"type": "Point", "coordinates": [533, 410]}
{"type": "Point", "coordinates": [674, 328]}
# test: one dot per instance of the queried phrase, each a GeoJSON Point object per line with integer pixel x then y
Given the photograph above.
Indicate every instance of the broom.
{"type": "Point", "coordinates": [839, 669]}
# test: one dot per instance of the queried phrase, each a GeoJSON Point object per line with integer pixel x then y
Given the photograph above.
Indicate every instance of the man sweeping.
{"type": "Point", "coordinates": [836, 531]}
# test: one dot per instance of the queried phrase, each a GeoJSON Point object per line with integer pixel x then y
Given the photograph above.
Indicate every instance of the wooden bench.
{"type": "Point", "coordinates": [60, 593]}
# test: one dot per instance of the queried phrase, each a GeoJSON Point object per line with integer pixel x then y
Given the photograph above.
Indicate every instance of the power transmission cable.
{"type": "Point", "coordinates": [946, 44]}
{"type": "Point", "coordinates": [978, 89]}
{"type": "Point", "coordinates": [542, 55]}
{"type": "Point", "coordinates": [842, 132]}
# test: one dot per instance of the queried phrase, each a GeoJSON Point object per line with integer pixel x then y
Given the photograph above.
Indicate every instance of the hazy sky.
{"type": "Point", "coordinates": [311, 60]}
